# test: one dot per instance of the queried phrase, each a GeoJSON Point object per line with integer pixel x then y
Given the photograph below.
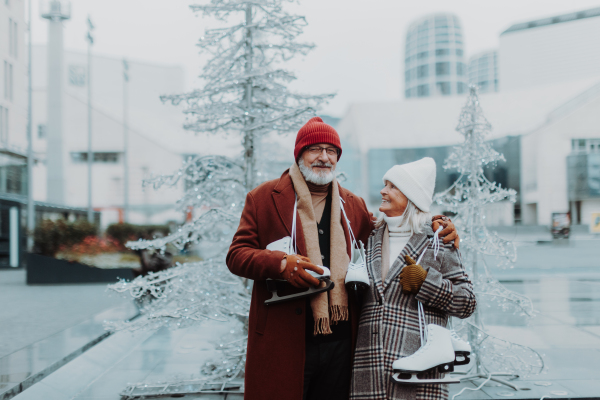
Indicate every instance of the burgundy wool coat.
{"type": "Point", "coordinates": [276, 342]}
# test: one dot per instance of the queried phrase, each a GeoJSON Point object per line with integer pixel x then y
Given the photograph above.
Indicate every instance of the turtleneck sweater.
{"type": "Point", "coordinates": [399, 236]}
{"type": "Point", "coordinates": [318, 195]}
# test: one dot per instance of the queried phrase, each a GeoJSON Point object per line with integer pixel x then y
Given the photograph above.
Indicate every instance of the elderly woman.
{"type": "Point", "coordinates": [389, 323]}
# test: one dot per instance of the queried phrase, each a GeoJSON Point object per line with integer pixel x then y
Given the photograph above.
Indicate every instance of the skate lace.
{"type": "Point", "coordinates": [454, 335]}
{"type": "Point", "coordinates": [353, 266]}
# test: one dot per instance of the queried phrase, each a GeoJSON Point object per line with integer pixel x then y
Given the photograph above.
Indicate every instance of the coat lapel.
{"type": "Point", "coordinates": [415, 246]}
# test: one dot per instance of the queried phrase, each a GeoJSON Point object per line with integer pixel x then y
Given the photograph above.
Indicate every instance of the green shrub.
{"type": "Point", "coordinates": [123, 232]}
{"type": "Point", "coordinates": [49, 236]}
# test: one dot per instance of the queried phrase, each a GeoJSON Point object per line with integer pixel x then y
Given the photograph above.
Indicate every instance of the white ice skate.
{"type": "Point", "coordinates": [288, 246]}
{"type": "Point", "coordinates": [462, 349]}
{"type": "Point", "coordinates": [436, 354]}
{"type": "Point", "coordinates": [357, 277]}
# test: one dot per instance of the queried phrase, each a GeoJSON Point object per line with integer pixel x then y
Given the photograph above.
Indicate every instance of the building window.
{"type": "Point", "coordinates": [423, 54]}
{"type": "Point", "coordinates": [13, 38]}
{"type": "Point", "coordinates": [423, 90]}
{"type": "Point", "coordinates": [444, 88]}
{"type": "Point", "coordinates": [460, 69]}
{"type": "Point", "coordinates": [10, 36]}
{"type": "Point", "coordinates": [76, 75]}
{"type": "Point", "coordinates": [8, 80]}
{"type": "Point", "coordinates": [14, 179]}
{"type": "Point", "coordinates": [423, 71]}
{"type": "Point", "coordinates": [442, 68]}
{"type": "Point", "coordinates": [41, 131]}
{"type": "Point", "coordinates": [442, 52]}
{"type": "Point", "coordinates": [585, 146]}
{"type": "Point", "coordinates": [461, 88]}
{"type": "Point", "coordinates": [459, 52]}
{"type": "Point", "coordinates": [107, 157]}
{"type": "Point", "coordinates": [3, 124]}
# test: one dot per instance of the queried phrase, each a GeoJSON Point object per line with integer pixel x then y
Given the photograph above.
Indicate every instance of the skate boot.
{"type": "Point", "coordinates": [436, 354]}
{"type": "Point", "coordinates": [272, 286]}
{"type": "Point", "coordinates": [462, 349]}
{"type": "Point", "coordinates": [357, 277]}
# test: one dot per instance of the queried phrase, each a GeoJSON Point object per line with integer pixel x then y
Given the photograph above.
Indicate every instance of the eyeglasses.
{"type": "Point", "coordinates": [314, 150]}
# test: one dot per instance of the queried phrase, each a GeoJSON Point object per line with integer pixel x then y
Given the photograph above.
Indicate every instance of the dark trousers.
{"type": "Point", "coordinates": [327, 370]}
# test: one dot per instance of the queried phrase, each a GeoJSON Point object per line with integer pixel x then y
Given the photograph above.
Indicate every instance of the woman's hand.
{"type": "Point", "coordinates": [412, 276]}
{"type": "Point", "coordinates": [448, 234]}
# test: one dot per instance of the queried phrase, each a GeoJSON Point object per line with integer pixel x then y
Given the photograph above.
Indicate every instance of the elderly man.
{"type": "Point", "coordinates": [302, 349]}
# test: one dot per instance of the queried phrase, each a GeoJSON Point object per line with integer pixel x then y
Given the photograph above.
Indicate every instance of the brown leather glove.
{"type": "Point", "coordinates": [448, 234]}
{"type": "Point", "coordinates": [294, 271]}
{"type": "Point", "coordinates": [412, 276]}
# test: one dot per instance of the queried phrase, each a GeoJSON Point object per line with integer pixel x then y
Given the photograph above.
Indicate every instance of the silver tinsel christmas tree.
{"type": "Point", "coordinates": [245, 93]}
{"type": "Point", "coordinates": [468, 197]}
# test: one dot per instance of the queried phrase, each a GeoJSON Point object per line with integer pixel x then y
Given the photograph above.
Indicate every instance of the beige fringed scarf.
{"type": "Point", "coordinates": [329, 307]}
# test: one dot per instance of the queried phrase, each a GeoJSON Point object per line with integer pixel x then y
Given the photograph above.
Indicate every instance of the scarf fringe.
{"type": "Point", "coordinates": [338, 313]}
{"type": "Point", "coordinates": [322, 327]}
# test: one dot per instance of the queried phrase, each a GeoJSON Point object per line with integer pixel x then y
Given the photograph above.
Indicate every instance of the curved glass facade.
{"type": "Point", "coordinates": [434, 57]}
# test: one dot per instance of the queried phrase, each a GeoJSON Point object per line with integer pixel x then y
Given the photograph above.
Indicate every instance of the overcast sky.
{"type": "Point", "coordinates": [359, 42]}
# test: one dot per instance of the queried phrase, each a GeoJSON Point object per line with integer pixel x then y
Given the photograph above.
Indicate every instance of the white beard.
{"type": "Point", "coordinates": [322, 178]}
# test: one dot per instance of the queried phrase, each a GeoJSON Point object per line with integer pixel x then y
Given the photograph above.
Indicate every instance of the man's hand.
{"type": "Point", "coordinates": [448, 234]}
{"type": "Point", "coordinates": [293, 270]}
{"type": "Point", "coordinates": [412, 276]}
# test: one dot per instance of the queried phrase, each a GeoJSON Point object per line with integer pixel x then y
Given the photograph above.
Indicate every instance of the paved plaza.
{"type": "Point", "coordinates": [563, 281]}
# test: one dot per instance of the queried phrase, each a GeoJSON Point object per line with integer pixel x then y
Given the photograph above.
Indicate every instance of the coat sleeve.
{"type": "Point", "coordinates": [449, 290]}
{"type": "Point", "coordinates": [245, 257]}
{"type": "Point", "coordinates": [365, 224]}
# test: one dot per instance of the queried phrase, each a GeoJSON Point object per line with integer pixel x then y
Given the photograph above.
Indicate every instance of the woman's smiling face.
{"type": "Point", "coordinates": [393, 201]}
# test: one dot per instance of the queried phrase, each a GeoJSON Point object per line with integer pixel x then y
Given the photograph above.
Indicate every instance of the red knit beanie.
{"type": "Point", "coordinates": [316, 131]}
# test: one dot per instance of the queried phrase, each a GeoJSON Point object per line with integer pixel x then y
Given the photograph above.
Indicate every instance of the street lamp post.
{"type": "Point", "coordinates": [126, 140]}
{"type": "Point", "coordinates": [30, 204]}
{"type": "Point", "coordinates": [90, 39]}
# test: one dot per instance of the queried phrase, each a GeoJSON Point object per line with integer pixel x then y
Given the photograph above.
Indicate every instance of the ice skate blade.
{"type": "Point", "coordinates": [358, 287]}
{"type": "Point", "coordinates": [464, 360]}
{"type": "Point", "coordinates": [416, 381]}
{"type": "Point", "coordinates": [275, 299]}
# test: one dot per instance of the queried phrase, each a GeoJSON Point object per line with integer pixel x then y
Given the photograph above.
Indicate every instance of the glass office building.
{"type": "Point", "coordinates": [483, 71]}
{"type": "Point", "coordinates": [434, 57]}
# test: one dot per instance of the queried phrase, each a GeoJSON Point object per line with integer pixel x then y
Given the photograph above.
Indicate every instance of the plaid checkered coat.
{"type": "Point", "coordinates": [389, 325]}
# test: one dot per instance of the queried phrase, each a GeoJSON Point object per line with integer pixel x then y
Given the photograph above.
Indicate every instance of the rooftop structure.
{"type": "Point", "coordinates": [545, 51]}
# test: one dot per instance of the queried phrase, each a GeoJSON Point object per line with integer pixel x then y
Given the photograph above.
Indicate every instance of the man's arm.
{"type": "Point", "coordinates": [448, 234]}
{"type": "Point", "coordinates": [245, 257]}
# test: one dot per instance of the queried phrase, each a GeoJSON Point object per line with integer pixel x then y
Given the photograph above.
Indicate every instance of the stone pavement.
{"type": "Point", "coordinates": [563, 282]}
{"type": "Point", "coordinates": [30, 313]}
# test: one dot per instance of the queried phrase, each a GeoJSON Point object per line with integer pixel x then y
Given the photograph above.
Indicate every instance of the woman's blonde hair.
{"type": "Point", "coordinates": [412, 215]}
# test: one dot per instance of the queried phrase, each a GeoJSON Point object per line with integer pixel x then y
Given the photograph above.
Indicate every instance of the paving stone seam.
{"type": "Point", "coordinates": [38, 376]}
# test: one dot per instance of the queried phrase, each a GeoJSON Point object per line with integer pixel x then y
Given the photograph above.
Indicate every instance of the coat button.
{"type": "Point", "coordinates": [322, 257]}
{"type": "Point", "coordinates": [298, 311]}
{"type": "Point", "coordinates": [320, 231]}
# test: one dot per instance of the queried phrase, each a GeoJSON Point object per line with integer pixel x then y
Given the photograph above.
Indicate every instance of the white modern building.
{"type": "Point", "coordinates": [546, 51]}
{"type": "Point", "coordinates": [549, 135]}
{"type": "Point", "coordinates": [483, 71]}
{"type": "Point", "coordinates": [13, 130]}
{"type": "Point", "coordinates": [157, 141]}
{"type": "Point", "coordinates": [434, 57]}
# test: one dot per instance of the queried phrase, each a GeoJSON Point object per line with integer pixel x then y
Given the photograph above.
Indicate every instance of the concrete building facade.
{"type": "Point", "coordinates": [157, 144]}
{"type": "Point", "coordinates": [549, 135]}
{"type": "Point", "coordinates": [546, 51]}
{"type": "Point", "coordinates": [434, 57]}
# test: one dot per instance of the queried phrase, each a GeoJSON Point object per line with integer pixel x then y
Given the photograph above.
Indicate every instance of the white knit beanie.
{"type": "Point", "coordinates": [416, 180]}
